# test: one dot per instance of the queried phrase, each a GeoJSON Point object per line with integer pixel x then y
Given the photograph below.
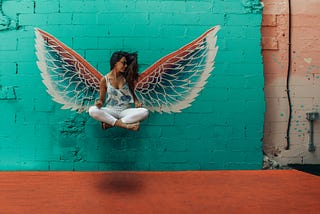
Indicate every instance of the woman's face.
{"type": "Point", "coordinates": [121, 65]}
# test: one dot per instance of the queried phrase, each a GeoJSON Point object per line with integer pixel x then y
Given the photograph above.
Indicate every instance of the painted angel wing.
{"type": "Point", "coordinates": [70, 79]}
{"type": "Point", "coordinates": [174, 81]}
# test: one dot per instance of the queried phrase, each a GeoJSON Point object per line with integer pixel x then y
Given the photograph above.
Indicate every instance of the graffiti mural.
{"type": "Point", "coordinates": [169, 85]}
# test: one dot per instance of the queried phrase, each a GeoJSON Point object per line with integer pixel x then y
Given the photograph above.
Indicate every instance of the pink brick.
{"type": "Point", "coordinates": [269, 43]}
{"type": "Point", "coordinates": [269, 20]}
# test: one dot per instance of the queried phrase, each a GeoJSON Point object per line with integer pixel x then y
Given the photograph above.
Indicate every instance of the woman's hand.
{"type": "Point", "coordinates": [137, 104]}
{"type": "Point", "coordinates": [99, 104]}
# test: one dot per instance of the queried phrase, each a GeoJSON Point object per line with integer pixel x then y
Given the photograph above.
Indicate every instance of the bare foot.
{"type": "Point", "coordinates": [105, 126]}
{"type": "Point", "coordinates": [133, 126]}
{"type": "Point", "coordinates": [129, 126]}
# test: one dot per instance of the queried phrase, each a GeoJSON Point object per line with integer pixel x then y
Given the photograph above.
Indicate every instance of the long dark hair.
{"type": "Point", "coordinates": [116, 56]}
{"type": "Point", "coordinates": [132, 71]}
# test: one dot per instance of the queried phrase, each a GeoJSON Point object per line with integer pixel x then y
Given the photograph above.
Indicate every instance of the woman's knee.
{"type": "Point", "coordinates": [93, 110]}
{"type": "Point", "coordinates": [144, 112]}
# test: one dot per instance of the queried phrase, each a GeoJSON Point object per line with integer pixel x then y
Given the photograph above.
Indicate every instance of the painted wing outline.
{"type": "Point", "coordinates": [69, 78]}
{"type": "Point", "coordinates": [173, 82]}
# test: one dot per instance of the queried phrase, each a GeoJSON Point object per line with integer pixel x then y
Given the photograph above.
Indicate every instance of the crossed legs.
{"type": "Point", "coordinates": [129, 118]}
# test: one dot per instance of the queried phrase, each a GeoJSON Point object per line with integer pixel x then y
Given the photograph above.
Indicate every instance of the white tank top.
{"type": "Point", "coordinates": [121, 97]}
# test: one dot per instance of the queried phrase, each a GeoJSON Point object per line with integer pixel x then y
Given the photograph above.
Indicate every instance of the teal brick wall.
{"type": "Point", "coordinates": [221, 130]}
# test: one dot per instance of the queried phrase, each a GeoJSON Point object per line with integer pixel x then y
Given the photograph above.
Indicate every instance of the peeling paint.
{"type": "Point", "coordinates": [74, 125]}
{"type": "Point", "coordinates": [5, 22]}
{"type": "Point", "coordinates": [252, 6]}
{"type": "Point", "coordinates": [7, 93]}
{"type": "Point", "coordinates": [71, 130]}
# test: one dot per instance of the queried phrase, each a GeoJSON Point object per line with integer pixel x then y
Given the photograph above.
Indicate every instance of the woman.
{"type": "Point", "coordinates": [118, 85]}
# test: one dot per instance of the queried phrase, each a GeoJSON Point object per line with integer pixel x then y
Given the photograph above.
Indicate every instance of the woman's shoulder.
{"type": "Point", "coordinates": [108, 76]}
{"type": "Point", "coordinates": [103, 80]}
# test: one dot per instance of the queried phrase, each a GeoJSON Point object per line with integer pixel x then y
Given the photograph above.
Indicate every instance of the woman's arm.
{"type": "Point", "coordinates": [103, 91]}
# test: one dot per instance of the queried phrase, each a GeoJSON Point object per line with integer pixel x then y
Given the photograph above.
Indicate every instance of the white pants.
{"type": "Point", "coordinates": [111, 115]}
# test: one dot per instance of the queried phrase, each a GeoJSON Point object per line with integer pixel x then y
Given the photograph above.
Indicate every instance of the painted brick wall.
{"type": "Point", "coordinates": [303, 82]}
{"type": "Point", "coordinates": [221, 130]}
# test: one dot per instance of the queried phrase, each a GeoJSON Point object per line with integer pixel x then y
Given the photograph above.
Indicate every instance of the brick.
{"type": "Point", "coordinates": [14, 56]}
{"type": "Point", "coordinates": [149, 131]}
{"type": "Point", "coordinates": [242, 145]}
{"type": "Point", "coordinates": [41, 106]}
{"type": "Point", "coordinates": [230, 81]}
{"type": "Point", "coordinates": [160, 119]}
{"type": "Point", "coordinates": [216, 143]}
{"type": "Point", "coordinates": [269, 20]}
{"type": "Point", "coordinates": [110, 43]}
{"type": "Point", "coordinates": [7, 74]}
{"type": "Point", "coordinates": [246, 68]}
{"type": "Point", "coordinates": [234, 44]}
{"type": "Point", "coordinates": [8, 125]}
{"type": "Point", "coordinates": [228, 7]}
{"type": "Point", "coordinates": [211, 19]}
{"type": "Point", "coordinates": [84, 166]}
{"type": "Point", "coordinates": [220, 131]}
{"type": "Point", "coordinates": [125, 30]}
{"type": "Point", "coordinates": [60, 18]}
{"type": "Point", "coordinates": [252, 32]}
{"type": "Point", "coordinates": [194, 31]}
{"type": "Point", "coordinates": [47, 6]}
{"type": "Point", "coordinates": [171, 145]}
{"type": "Point", "coordinates": [102, 67]}
{"type": "Point", "coordinates": [212, 165]}
{"type": "Point", "coordinates": [10, 43]}
{"type": "Point", "coordinates": [227, 156]}
{"type": "Point", "coordinates": [32, 19]}
{"type": "Point", "coordinates": [61, 165]}
{"type": "Point", "coordinates": [254, 155]}
{"type": "Point", "coordinates": [248, 94]}
{"type": "Point", "coordinates": [12, 8]}
{"type": "Point", "coordinates": [163, 18]}
{"type": "Point", "coordinates": [232, 32]}
{"type": "Point", "coordinates": [200, 7]}
{"type": "Point", "coordinates": [200, 107]}
{"type": "Point", "coordinates": [85, 43]}
{"type": "Point", "coordinates": [93, 55]}
{"type": "Point", "coordinates": [135, 44]}
{"type": "Point", "coordinates": [146, 31]}
{"type": "Point", "coordinates": [270, 43]}
{"type": "Point", "coordinates": [172, 6]}
{"type": "Point", "coordinates": [171, 157]}
{"type": "Point", "coordinates": [253, 56]}
{"type": "Point", "coordinates": [230, 56]}
{"type": "Point", "coordinates": [107, 18]}
{"type": "Point", "coordinates": [88, 6]}
{"type": "Point", "coordinates": [251, 81]}
{"type": "Point", "coordinates": [243, 19]}
{"type": "Point", "coordinates": [84, 18]}
{"type": "Point", "coordinates": [139, 18]}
